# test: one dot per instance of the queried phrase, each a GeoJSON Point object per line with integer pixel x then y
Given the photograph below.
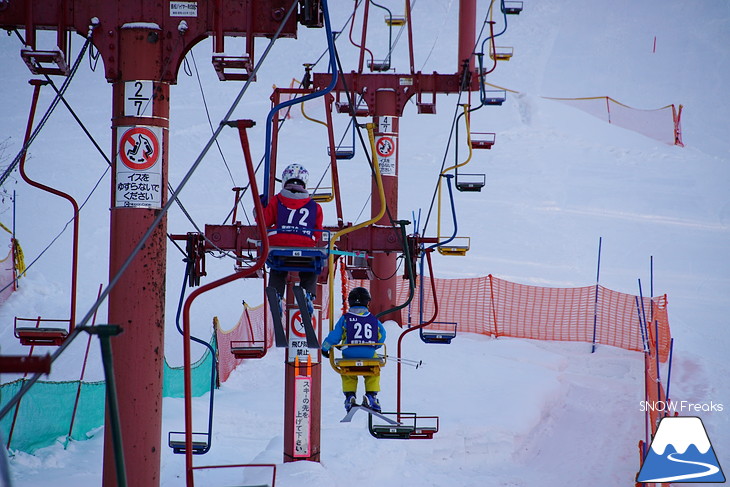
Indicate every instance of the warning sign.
{"type": "Point", "coordinates": [139, 148]}
{"type": "Point", "coordinates": [297, 327]}
{"type": "Point", "coordinates": [302, 416]}
{"type": "Point", "coordinates": [298, 337]}
{"type": "Point", "coordinates": [139, 167]}
{"type": "Point", "coordinates": [385, 146]}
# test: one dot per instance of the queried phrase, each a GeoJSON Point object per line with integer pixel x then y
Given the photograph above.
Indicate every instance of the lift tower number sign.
{"type": "Point", "coordinates": [139, 167]}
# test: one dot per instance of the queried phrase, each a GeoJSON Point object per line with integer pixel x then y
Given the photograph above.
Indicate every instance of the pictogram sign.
{"type": "Point", "coordinates": [385, 146]}
{"type": "Point", "coordinates": [139, 167]}
{"type": "Point", "coordinates": [139, 148]}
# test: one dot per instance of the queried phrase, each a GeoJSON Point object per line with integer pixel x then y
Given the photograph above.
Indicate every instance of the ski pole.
{"type": "Point", "coordinates": [404, 361]}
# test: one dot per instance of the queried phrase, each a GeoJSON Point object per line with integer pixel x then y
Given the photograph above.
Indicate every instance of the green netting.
{"type": "Point", "coordinates": [45, 412]}
{"type": "Point", "coordinates": [172, 380]}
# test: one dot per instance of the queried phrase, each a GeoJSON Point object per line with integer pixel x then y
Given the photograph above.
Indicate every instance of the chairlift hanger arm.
{"type": "Point", "coordinates": [409, 271]}
{"type": "Point", "coordinates": [421, 325]}
{"type": "Point", "coordinates": [344, 231]}
{"type": "Point", "coordinates": [259, 212]}
{"type": "Point", "coordinates": [319, 92]}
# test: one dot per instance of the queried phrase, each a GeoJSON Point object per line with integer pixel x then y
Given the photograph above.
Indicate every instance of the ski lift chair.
{"type": "Point", "coordinates": [200, 445]}
{"type": "Point", "coordinates": [411, 427]}
{"type": "Point", "coordinates": [360, 109]}
{"type": "Point", "coordinates": [494, 97]}
{"type": "Point", "coordinates": [233, 68]}
{"type": "Point", "coordinates": [425, 107]}
{"type": "Point", "coordinates": [298, 259]}
{"type": "Point", "coordinates": [359, 366]}
{"type": "Point", "coordinates": [395, 20]}
{"type": "Point", "coordinates": [41, 335]}
{"type": "Point", "coordinates": [323, 194]}
{"type": "Point", "coordinates": [45, 62]}
{"type": "Point", "coordinates": [502, 53]}
{"type": "Point", "coordinates": [345, 151]}
{"type": "Point", "coordinates": [470, 182]}
{"type": "Point", "coordinates": [482, 140]}
{"type": "Point", "coordinates": [379, 66]}
{"type": "Point", "coordinates": [438, 332]}
{"type": "Point", "coordinates": [357, 267]}
{"type": "Point", "coordinates": [512, 7]}
{"type": "Point", "coordinates": [458, 246]}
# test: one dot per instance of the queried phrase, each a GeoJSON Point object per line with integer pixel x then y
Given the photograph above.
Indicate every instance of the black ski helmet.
{"type": "Point", "coordinates": [358, 297]}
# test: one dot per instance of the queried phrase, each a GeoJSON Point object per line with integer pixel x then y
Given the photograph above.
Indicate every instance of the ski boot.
{"type": "Point", "coordinates": [350, 401]}
{"type": "Point", "coordinates": [370, 401]}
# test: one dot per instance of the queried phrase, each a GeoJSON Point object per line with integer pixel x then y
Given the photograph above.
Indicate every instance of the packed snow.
{"type": "Point", "coordinates": [512, 412]}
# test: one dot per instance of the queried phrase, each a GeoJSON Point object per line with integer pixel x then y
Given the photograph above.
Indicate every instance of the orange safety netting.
{"type": "Point", "coordinates": [495, 307]}
{"type": "Point", "coordinates": [654, 391]}
{"type": "Point", "coordinates": [249, 328]}
{"type": "Point", "coordinates": [663, 124]}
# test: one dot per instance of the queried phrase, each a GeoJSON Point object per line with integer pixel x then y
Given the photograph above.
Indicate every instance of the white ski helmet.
{"type": "Point", "coordinates": [295, 171]}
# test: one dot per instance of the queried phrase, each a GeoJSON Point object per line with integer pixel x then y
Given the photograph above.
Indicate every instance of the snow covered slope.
{"type": "Point", "coordinates": [515, 413]}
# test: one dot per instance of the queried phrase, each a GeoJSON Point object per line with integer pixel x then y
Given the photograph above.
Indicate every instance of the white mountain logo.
{"type": "Point", "coordinates": [681, 451]}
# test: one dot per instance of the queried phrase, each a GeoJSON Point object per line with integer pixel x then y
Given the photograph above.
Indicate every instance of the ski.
{"type": "Point", "coordinates": [302, 303]}
{"type": "Point", "coordinates": [274, 305]}
{"type": "Point", "coordinates": [351, 413]}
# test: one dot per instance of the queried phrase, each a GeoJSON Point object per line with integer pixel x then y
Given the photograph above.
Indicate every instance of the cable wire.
{"type": "Point", "coordinates": [174, 197]}
{"type": "Point", "coordinates": [53, 104]}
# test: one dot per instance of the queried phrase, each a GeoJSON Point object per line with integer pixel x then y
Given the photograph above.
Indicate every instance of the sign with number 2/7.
{"type": "Point", "coordinates": [138, 98]}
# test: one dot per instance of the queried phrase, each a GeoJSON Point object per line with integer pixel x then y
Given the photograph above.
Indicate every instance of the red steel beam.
{"type": "Point", "coordinates": [370, 239]}
{"type": "Point", "coordinates": [74, 15]}
{"type": "Point", "coordinates": [403, 85]}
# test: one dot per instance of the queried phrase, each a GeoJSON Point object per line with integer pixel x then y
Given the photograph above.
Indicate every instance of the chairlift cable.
{"type": "Point", "coordinates": [443, 162]}
{"type": "Point", "coordinates": [163, 211]}
{"type": "Point", "coordinates": [354, 11]}
{"type": "Point", "coordinates": [51, 107]}
{"type": "Point", "coordinates": [71, 110]}
{"type": "Point", "coordinates": [207, 114]}
{"type": "Point", "coordinates": [101, 151]}
{"type": "Point", "coordinates": [441, 29]}
{"type": "Point", "coordinates": [61, 232]}
{"type": "Point", "coordinates": [301, 99]}
{"type": "Point", "coordinates": [359, 132]}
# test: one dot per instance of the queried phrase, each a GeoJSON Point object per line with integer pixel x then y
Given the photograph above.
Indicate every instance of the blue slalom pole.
{"type": "Point", "coordinates": [595, 303]}
{"type": "Point", "coordinates": [645, 331]}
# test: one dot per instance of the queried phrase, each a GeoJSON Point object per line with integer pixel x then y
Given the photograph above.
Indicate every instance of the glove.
{"type": "Point", "coordinates": [326, 353]}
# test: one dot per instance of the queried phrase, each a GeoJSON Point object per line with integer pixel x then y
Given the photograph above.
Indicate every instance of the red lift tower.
{"type": "Point", "coordinates": [142, 45]}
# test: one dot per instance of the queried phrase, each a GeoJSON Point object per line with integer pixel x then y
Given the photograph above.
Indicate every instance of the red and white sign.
{"type": "Point", "coordinates": [297, 326]}
{"type": "Point", "coordinates": [298, 337]}
{"type": "Point", "coordinates": [302, 416]}
{"type": "Point", "coordinates": [139, 148]}
{"type": "Point", "coordinates": [139, 167]}
{"type": "Point", "coordinates": [385, 145]}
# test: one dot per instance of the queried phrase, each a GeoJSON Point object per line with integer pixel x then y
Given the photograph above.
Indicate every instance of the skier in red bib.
{"type": "Point", "coordinates": [292, 218]}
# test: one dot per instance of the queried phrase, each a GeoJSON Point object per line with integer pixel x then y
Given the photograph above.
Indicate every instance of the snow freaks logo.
{"type": "Point", "coordinates": [681, 451]}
